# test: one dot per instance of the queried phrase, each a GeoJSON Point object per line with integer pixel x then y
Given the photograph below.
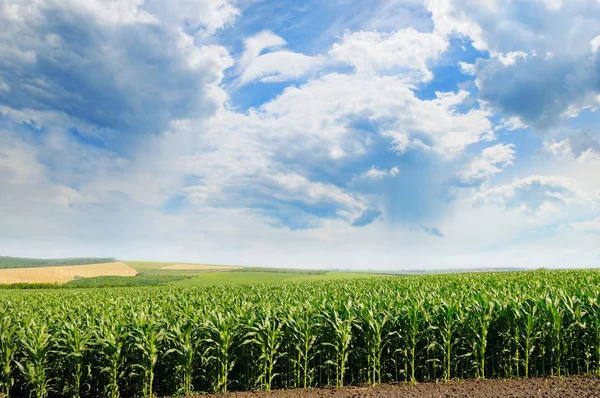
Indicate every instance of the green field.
{"type": "Point", "coordinates": [151, 274]}
{"type": "Point", "coordinates": [249, 277]}
{"type": "Point", "coordinates": [242, 275]}
{"type": "Point", "coordinates": [178, 340]}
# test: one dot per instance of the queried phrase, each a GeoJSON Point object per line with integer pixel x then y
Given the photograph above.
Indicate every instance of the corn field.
{"type": "Point", "coordinates": [141, 342]}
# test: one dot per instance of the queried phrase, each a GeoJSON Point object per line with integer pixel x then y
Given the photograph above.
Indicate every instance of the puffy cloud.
{"type": "Point", "coordinates": [595, 43]}
{"type": "Point", "coordinates": [275, 66]}
{"type": "Point", "coordinates": [557, 42]}
{"type": "Point", "coordinates": [112, 65]}
{"type": "Point", "coordinates": [238, 156]}
{"type": "Point", "coordinates": [559, 86]}
{"type": "Point", "coordinates": [290, 181]}
{"type": "Point", "coordinates": [537, 196]}
{"type": "Point", "coordinates": [579, 144]}
{"type": "Point", "coordinates": [407, 51]}
{"type": "Point", "coordinates": [377, 174]}
{"type": "Point", "coordinates": [511, 58]}
{"type": "Point", "coordinates": [467, 68]}
{"type": "Point", "coordinates": [205, 16]}
{"type": "Point", "coordinates": [491, 161]}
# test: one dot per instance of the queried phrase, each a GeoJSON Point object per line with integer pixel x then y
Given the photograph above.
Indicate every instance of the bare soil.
{"type": "Point", "coordinates": [512, 388]}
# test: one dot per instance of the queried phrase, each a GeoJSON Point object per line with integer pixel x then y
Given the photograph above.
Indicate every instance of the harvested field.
{"type": "Point", "coordinates": [63, 274]}
{"type": "Point", "coordinates": [192, 267]}
{"type": "Point", "coordinates": [556, 387]}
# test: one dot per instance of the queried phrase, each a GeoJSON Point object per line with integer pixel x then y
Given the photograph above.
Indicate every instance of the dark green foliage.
{"type": "Point", "coordinates": [124, 281]}
{"type": "Point", "coordinates": [103, 281]}
{"type": "Point", "coordinates": [280, 270]}
{"type": "Point", "coordinates": [175, 341]}
{"type": "Point", "coordinates": [19, 262]}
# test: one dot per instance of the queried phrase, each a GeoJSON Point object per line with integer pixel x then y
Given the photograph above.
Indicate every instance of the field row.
{"type": "Point", "coordinates": [167, 341]}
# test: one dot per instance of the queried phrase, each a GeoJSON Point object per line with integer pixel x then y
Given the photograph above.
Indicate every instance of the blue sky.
{"type": "Point", "coordinates": [385, 135]}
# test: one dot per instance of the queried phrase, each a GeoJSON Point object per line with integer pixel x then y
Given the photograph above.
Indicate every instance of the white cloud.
{"type": "Point", "coordinates": [595, 43]}
{"type": "Point", "coordinates": [299, 161]}
{"type": "Point", "coordinates": [18, 163]}
{"type": "Point", "coordinates": [511, 58]}
{"type": "Point", "coordinates": [467, 69]}
{"type": "Point", "coordinates": [275, 66]}
{"type": "Point", "coordinates": [582, 145]}
{"type": "Point", "coordinates": [510, 124]}
{"type": "Point", "coordinates": [587, 226]}
{"type": "Point", "coordinates": [406, 50]}
{"type": "Point", "coordinates": [134, 71]}
{"type": "Point", "coordinates": [208, 15]}
{"type": "Point", "coordinates": [540, 69]}
{"type": "Point", "coordinates": [538, 196]}
{"type": "Point", "coordinates": [209, 59]}
{"type": "Point", "coordinates": [109, 11]}
{"type": "Point", "coordinates": [377, 174]}
{"type": "Point", "coordinates": [447, 20]}
{"type": "Point", "coordinates": [491, 161]}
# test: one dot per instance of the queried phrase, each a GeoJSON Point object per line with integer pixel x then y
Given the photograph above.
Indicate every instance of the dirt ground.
{"type": "Point", "coordinates": [561, 388]}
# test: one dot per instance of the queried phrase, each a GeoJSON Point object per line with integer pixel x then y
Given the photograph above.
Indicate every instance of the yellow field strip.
{"type": "Point", "coordinates": [63, 274]}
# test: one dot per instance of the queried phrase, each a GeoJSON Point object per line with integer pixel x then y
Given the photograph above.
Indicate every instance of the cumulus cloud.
{"type": "Point", "coordinates": [558, 46]}
{"type": "Point", "coordinates": [203, 16]}
{"type": "Point", "coordinates": [406, 50]}
{"type": "Point", "coordinates": [357, 154]}
{"type": "Point", "coordinates": [492, 160]}
{"type": "Point", "coordinates": [239, 154]}
{"type": "Point", "coordinates": [467, 68]}
{"type": "Point", "coordinates": [579, 144]}
{"type": "Point", "coordinates": [113, 65]}
{"type": "Point", "coordinates": [275, 66]}
{"type": "Point", "coordinates": [377, 174]}
{"type": "Point", "coordinates": [537, 196]}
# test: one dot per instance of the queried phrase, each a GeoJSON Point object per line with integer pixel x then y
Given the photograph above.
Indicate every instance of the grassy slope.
{"type": "Point", "coordinates": [239, 276]}
{"type": "Point", "coordinates": [21, 262]}
{"type": "Point", "coordinates": [124, 281]}
{"type": "Point", "coordinates": [154, 268]}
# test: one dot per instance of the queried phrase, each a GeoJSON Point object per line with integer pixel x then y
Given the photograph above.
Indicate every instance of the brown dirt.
{"type": "Point", "coordinates": [63, 274]}
{"type": "Point", "coordinates": [548, 388]}
{"type": "Point", "coordinates": [198, 267]}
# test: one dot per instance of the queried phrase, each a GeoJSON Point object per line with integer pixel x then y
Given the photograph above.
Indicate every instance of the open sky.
{"type": "Point", "coordinates": [384, 134]}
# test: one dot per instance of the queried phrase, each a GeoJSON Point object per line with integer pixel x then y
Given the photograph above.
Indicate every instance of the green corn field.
{"type": "Point", "coordinates": [142, 342]}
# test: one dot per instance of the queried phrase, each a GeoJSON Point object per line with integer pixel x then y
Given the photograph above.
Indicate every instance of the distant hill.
{"type": "Point", "coordinates": [20, 262]}
{"type": "Point", "coordinates": [409, 272]}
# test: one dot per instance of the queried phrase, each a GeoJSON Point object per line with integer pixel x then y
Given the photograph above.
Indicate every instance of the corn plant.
{"type": "Point", "coordinates": [266, 334]}
{"type": "Point", "coordinates": [341, 323]}
{"type": "Point", "coordinates": [72, 344]}
{"type": "Point", "coordinates": [108, 346]}
{"type": "Point", "coordinates": [34, 364]}
{"type": "Point", "coordinates": [223, 335]}
{"type": "Point", "coordinates": [177, 341]}
{"type": "Point", "coordinates": [183, 340]}
{"type": "Point", "coordinates": [144, 337]}
{"type": "Point", "coordinates": [9, 340]}
{"type": "Point", "coordinates": [303, 326]}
